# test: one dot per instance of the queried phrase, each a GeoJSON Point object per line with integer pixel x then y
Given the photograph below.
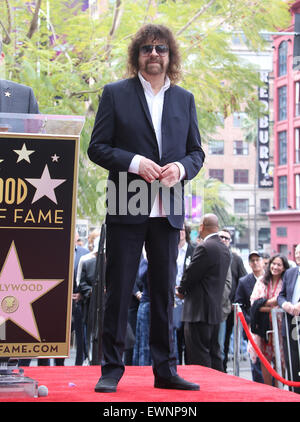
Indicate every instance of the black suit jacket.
{"type": "Point", "coordinates": [237, 270]}
{"type": "Point", "coordinates": [204, 280]}
{"type": "Point", "coordinates": [288, 284]}
{"type": "Point", "coordinates": [79, 252]}
{"type": "Point", "coordinates": [123, 128]}
{"type": "Point", "coordinates": [87, 276]}
{"type": "Point", "coordinates": [188, 256]}
{"type": "Point", "coordinates": [17, 98]}
{"type": "Point", "coordinates": [243, 293]}
{"type": "Point", "coordinates": [87, 279]}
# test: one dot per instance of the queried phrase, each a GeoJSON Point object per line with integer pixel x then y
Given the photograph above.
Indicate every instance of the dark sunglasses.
{"type": "Point", "coordinates": [160, 49]}
{"type": "Point", "coordinates": [225, 237]}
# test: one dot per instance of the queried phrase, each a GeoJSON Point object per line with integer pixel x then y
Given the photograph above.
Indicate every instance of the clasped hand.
{"type": "Point", "coordinates": [179, 295]}
{"type": "Point", "coordinates": [168, 175]}
{"type": "Point", "coordinates": [292, 309]}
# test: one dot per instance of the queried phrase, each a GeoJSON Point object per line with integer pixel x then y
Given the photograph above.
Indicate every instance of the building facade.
{"type": "Point", "coordinates": [285, 215]}
{"type": "Point", "coordinates": [234, 161]}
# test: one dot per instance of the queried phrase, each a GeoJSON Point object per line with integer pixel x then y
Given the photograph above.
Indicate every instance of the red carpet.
{"type": "Point", "coordinates": [76, 384]}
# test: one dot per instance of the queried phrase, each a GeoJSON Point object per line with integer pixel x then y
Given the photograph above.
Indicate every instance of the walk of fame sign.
{"type": "Point", "coordinates": [38, 184]}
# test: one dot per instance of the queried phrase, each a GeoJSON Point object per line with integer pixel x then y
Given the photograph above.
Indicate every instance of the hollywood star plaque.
{"type": "Point", "coordinates": [38, 185]}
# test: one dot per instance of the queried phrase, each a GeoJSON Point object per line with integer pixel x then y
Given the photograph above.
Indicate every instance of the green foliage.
{"type": "Point", "coordinates": [71, 56]}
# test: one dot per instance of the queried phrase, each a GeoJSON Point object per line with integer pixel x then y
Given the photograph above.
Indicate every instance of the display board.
{"type": "Point", "coordinates": [38, 187]}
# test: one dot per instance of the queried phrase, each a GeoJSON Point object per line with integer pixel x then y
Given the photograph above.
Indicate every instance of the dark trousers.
{"type": "Point", "coordinates": [181, 345]}
{"type": "Point", "coordinates": [202, 345]}
{"type": "Point", "coordinates": [79, 333]}
{"type": "Point", "coordinates": [294, 370]}
{"type": "Point", "coordinates": [124, 243]}
{"type": "Point", "coordinates": [256, 371]}
{"type": "Point", "coordinates": [229, 328]}
{"type": "Point", "coordinates": [132, 317]}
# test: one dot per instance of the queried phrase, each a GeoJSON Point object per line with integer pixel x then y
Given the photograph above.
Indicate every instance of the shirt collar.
{"type": "Point", "coordinates": [209, 235]}
{"type": "Point", "coordinates": [147, 86]}
{"type": "Point", "coordinates": [183, 247]}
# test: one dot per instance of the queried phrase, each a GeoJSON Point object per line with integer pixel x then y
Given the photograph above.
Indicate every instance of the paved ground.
{"type": "Point", "coordinates": [244, 368]}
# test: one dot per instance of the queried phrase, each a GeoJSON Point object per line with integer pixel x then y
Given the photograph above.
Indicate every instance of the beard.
{"type": "Point", "coordinates": [154, 67]}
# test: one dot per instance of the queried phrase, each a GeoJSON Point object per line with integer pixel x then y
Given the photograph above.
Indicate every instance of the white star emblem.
{"type": "Point", "coordinates": [23, 153]}
{"type": "Point", "coordinates": [55, 158]}
{"type": "Point", "coordinates": [45, 186]}
{"type": "Point", "coordinates": [7, 94]}
{"type": "Point", "coordinates": [18, 303]}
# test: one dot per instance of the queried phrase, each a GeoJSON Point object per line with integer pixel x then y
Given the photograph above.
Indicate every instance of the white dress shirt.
{"type": "Point", "coordinates": [180, 263]}
{"type": "Point", "coordinates": [155, 104]}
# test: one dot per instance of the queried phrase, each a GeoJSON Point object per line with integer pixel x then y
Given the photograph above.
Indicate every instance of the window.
{"type": "Point", "coordinates": [282, 105]}
{"type": "Point", "coordinates": [282, 58]}
{"type": "Point", "coordinates": [216, 147]}
{"type": "Point", "coordinates": [283, 249]}
{"type": "Point", "coordinates": [264, 205]}
{"type": "Point", "coordinates": [297, 98]}
{"type": "Point", "coordinates": [238, 119]}
{"type": "Point", "coordinates": [264, 235]}
{"type": "Point", "coordinates": [240, 176]}
{"type": "Point", "coordinates": [217, 174]}
{"type": "Point", "coordinates": [282, 148]}
{"type": "Point", "coordinates": [282, 181]}
{"type": "Point", "coordinates": [220, 119]}
{"type": "Point", "coordinates": [241, 206]}
{"type": "Point", "coordinates": [238, 38]}
{"type": "Point", "coordinates": [297, 183]}
{"type": "Point", "coordinates": [281, 231]}
{"type": "Point", "coordinates": [240, 148]}
{"type": "Point", "coordinates": [297, 145]}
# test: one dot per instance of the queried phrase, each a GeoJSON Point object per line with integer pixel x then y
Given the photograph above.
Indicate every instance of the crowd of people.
{"type": "Point", "coordinates": [272, 283]}
{"type": "Point", "coordinates": [203, 340]}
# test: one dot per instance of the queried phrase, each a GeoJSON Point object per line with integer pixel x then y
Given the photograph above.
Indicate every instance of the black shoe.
{"type": "Point", "coordinates": [175, 383]}
{"type": "Point", "coordinates": [106, 385]}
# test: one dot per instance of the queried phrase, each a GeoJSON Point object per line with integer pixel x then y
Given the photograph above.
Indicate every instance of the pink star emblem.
{"type": "Point", "coordinates": [45, 186]}
{"type": "Point", "coordinates": [17, 294]}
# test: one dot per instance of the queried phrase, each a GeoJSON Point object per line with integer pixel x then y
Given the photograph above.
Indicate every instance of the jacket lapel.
{"type": "Point", "coordinates": [142, 98]}
{"type": "Point", "coordinates": [166, 110]}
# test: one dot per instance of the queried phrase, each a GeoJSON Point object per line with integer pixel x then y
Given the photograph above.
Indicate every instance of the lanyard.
{"type": "Point", "coordinates": [270, 287]}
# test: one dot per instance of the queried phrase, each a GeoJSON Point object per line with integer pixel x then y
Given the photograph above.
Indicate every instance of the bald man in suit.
{"type": "Point", "coordinates": [202, 288]}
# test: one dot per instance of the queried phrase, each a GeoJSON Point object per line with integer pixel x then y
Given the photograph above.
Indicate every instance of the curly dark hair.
{"type": "Point", "coordinates": [154, 32]}
{"type": "Point", "coordinates": [268, 276]}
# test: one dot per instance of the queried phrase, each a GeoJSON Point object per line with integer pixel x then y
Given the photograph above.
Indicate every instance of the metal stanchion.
{"type": "Point", "coordinates": [276, 344]}
{"type": "Point", "coordinates": [236, 341]}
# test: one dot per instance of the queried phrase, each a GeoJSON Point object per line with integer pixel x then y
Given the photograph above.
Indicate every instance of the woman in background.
{"type": "Point", "coordinates": [263, 300]}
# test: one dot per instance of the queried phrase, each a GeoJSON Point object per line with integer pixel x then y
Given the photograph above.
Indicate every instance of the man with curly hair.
{"type": "Point", "coordinates": [146, 134]}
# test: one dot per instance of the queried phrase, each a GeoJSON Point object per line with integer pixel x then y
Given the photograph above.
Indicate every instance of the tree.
{"type": "Point", "coordinates": [67, 56]}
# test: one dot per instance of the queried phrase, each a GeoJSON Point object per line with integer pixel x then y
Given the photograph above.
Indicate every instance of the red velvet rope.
{"type": "Point", "coordinates": [261, 356]}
